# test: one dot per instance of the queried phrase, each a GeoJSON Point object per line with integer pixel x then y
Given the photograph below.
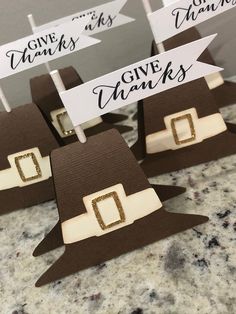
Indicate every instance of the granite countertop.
{"type": "Point", "coordinates": [191, 272]}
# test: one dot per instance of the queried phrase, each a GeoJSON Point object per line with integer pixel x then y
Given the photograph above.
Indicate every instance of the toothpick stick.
{"type": "Point", "coordinates": [33, 25]}
{"type": "Point", "coordinates": [148, 10]}
{"type": "Point", "coordinates": [61, 88]}
{"type": "Point", "coordinates": [4, 101]}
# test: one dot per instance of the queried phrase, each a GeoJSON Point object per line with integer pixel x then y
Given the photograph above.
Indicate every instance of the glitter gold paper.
{"type": "Point", "coordinates": [117, 201]}
{"type": "Point", "coordinates": [59, 120]}
{"type": "Point", "coordinates": [21, 172]}
{"type": "Point", "coordinates": [191, 125]}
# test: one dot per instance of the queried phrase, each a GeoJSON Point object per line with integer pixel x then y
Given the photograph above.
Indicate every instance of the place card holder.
{"type": "Point", "coordinates": [25, 172]}
{"type": "Point", "coordinates": [223, 91]}
{"type": "Point", "coordinates": [91, 233]}
{"type": "Point", "coordinates": [46, 97]}
{"type": "Point", "coordinates": [162, 149]}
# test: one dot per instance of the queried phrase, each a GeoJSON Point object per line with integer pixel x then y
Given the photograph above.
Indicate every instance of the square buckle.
{"type": "Point", "coordinates": [36, 165]}
{"type": "Point", "coordinates": [98, 215]}
{"type": "Point", "coordinates": [187, 117]}
{"type": "Point", "coordinates": [59, 117]}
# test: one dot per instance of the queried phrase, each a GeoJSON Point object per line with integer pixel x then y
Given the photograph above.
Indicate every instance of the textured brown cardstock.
{"type": "Point", "coordinates": [21, 129]}
{"type": "Point", "coordinates": [225, 94]}
{"type": "Point", "coordinates": [45, 95]}
{"type": "Point", "coordinates": [54, 240]}
{"type": "Point", "coordinates": [151, 113]}
{"type": "Point", "coordinates": [82, 169]}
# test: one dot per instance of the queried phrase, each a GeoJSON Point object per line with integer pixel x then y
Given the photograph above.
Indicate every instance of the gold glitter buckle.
{"type": "Point", "coordinates": [36, 165]}
{"type": "Point", "coordinates": [187, 117]}
{"type": "Point", "coordinates": [98, 215]}
{"type": "Point", "coordinates": [59, 117]}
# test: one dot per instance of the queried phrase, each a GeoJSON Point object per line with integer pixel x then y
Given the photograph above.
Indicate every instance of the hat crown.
{"type": "Point", "coordinates": [24, 128]}
{"type": "Point", "coordinates": [44, 92]}
{"type": "Point", "coordinates": [83, 169]}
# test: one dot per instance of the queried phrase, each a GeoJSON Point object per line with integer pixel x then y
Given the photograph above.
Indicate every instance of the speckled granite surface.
{"type": "Point", "coordinates": [192, 272]}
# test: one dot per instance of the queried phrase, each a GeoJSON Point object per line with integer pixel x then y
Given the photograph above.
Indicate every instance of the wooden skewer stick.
{"type": "Point", "coordinates": [4, 101]}
{"type": "Point", "coordinates": [33, 25]}
{"type": "Point", "coordinates": [61, 88]}
{"type": "Point", "coordinates": [148, 10]}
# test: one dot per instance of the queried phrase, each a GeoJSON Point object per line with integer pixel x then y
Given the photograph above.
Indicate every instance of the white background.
{"type": "Point", "coordinates": [121, 46]}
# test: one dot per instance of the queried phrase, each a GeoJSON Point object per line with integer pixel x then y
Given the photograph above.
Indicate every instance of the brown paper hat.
{"type": "Point", "coordinates": [54, 239]}
{"type": "Point", "coordinates": [86, 177]}
{"type": "Point", "coordinates": [26, 143]}
{"type": "Point", "coordinates": [224, 94]}
{"type": "Point", "coordinates": [45, 95]}
{"type": "Point", "coordinates": [151, 114]}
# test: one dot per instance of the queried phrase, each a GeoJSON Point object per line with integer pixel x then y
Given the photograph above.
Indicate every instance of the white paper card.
{"type": "Point", "coordinates": [168, 2]}
{"type": "Point", "coordinates": [103, 17]}
{"type": "Point", "coordinates": [137, 81]}
{"type": "Point", "coordinates": [181, 15]}
{"type": "Point", "coordinates": [44, 46]}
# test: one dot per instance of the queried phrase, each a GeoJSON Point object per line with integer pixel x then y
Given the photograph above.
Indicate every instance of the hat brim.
{"type": "Point", "coordinates": [54, 240]}
{"type": "Point", "coordinates": [96, 250]}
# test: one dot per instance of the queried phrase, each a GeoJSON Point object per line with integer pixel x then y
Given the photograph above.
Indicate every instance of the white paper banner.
{"type": "Point", "coordinates": [44, 46]}
{"type": "Point", "coordinates": [183, 14]}
{"type": "Point", "coordinates": [137, 81]}
{"type": "Point", "coordinates": [168, 2]}
{"type": "Point", "coordinates": [103, 17]}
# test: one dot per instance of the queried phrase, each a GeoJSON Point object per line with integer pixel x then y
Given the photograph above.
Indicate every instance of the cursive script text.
{"type": "Point", "coordinates": [146, 77]}
{"type": "Point", "coordinates": [98, 20]}
{"type": "Point", "coordinates": [196, 8]}
{"type": "Point", "coordinates": [47, 45]}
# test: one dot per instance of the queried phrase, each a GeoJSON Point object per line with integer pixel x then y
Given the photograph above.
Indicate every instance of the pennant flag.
{"type": "Point", "coordinates": [183, 14]}
{"type": "Point", "coordinates": [44, 46]}
{"type": "Point", "coordinates": [168, 2]}
{"type": "Point", "coordinates": [103, 17]}
{"type": "Point", "coordinates": [137, 81]}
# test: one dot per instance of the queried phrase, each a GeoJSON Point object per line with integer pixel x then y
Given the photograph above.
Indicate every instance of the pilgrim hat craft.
{"type": "Point", "coordinates": [181, 128]}
{"type": "Point", "coordinates": [26, 141]}
{"type": "Point", "coordinates": [106, 205]}
{"type": "Point", "coordinates": [183, 140]}
{"type": "Point", "coordinates": [103, 196]}
{"type": "Point", "coordinates": [223, 91]}
{"type": "Point", "coordinates": [45, 95]}
{"type": "Point", "coordinates": [180, 17]}
{"type": "Point", "coordinates": [103, 18]}
{"type": "Point", "coordinates": [113, 204]}
{"type": "Point", "coordinates": [54, 238]}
